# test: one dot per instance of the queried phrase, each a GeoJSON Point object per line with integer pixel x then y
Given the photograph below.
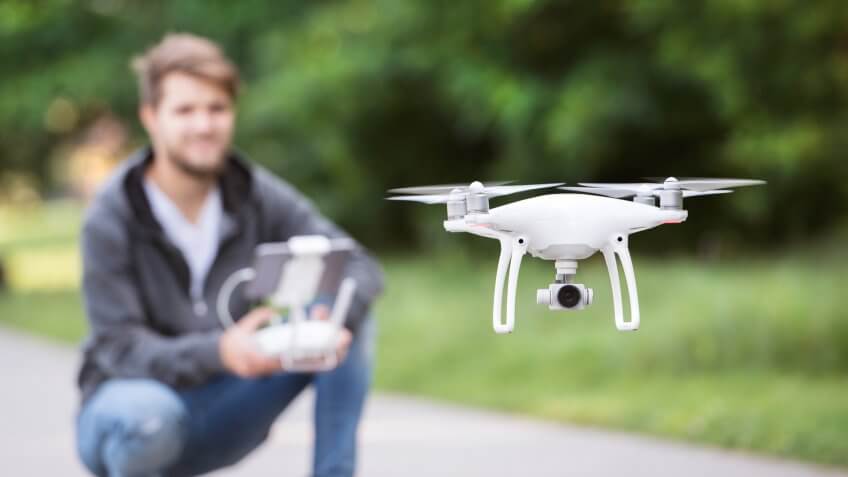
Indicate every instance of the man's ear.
{"type": "Point", "coordinates": [147, 115]}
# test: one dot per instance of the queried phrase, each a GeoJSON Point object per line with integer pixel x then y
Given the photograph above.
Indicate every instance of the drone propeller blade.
{"type": "Point", "coordinates": [630, 186]}
{"type": "Point", "coordinates": [699, 185]}
{"type": "Point", "coordinates": [514, 189]}
{"type": "Point", "coordinates": [444, 193]}
{"type": "Point", "coordinates": [679, 178]}
{"type": "Point", "coordinates": [609, 192]}
{"type": "Point", "coordinates": [694, 193]}
{"type": "Point", "coordinates": [623, 193]}
{"type": "Point", "coordinates": [442, 188]}
{"type": "Point", "coordinates": [425, 199]}
{"type": "Point", "coordinates": [703, 185]}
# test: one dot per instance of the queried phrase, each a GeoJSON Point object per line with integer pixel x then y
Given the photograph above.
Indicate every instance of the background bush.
{"type": "Point", "coordinates": [347, 99]}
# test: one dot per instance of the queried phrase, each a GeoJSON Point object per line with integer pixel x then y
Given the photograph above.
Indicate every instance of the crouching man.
{"type": "Point", "coordinates": [166, 389]}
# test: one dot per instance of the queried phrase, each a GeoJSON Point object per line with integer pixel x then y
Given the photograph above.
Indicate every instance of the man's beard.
{"type": "Point", "coordinates": [198, 172]}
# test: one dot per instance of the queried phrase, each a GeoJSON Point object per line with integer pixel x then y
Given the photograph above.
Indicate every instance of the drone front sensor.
{"type": "Point", "coordinates": [566, 228]}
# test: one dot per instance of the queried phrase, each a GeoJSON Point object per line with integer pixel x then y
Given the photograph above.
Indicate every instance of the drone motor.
{"type": "Point", "coordinates": [478, 203]}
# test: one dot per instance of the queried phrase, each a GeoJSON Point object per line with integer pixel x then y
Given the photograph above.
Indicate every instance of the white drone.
{"type": "Point", "coordinates": [566, 228]}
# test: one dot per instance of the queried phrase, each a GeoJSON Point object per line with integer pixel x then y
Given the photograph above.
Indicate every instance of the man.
{"type": "Point", "coordinates": [166, 389]}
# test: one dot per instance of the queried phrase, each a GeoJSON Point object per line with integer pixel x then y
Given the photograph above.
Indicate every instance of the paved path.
{"type": "Point", "coordinates": [400, 436]}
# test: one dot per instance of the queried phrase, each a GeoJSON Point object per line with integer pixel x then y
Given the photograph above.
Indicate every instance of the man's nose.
{"type": "Point", "coordinates": [203, 122]}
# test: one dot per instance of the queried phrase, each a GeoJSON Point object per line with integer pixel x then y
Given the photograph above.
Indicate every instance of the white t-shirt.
{"type": "Point", "coordinates": [197, 242]}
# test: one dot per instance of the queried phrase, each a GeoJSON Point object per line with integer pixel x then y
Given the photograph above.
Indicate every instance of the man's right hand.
{"type": "Point", "coordinates": [238, 349]}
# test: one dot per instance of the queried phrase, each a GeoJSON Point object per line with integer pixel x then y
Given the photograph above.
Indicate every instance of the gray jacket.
{"type": "Point", "coordinates": [142, 321]}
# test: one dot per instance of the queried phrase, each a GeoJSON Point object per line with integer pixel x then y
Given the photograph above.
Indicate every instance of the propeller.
{"type": "Point", "coordinates": [607, 191]}
{"type": "Point", "coordinates": [426, 199]}
{"type": "Point", "coordinates": [444, 188]}
{"type": "Point", "coordinates": [443, 193]}
{"type": "Point", "coordinates": [695, 193]}
{"type": "Point", "coordinates": [671, 183]}
{"type": "Point", "coordinates": [625, 193]}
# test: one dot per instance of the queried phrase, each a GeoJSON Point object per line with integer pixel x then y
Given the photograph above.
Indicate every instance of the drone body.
{"type": "Point", "coordinates": [566, 228]}
{"type": "Point", "coordinates": [574, 226]}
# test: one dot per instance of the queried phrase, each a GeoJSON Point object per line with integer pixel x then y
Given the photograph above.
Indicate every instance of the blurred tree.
{"type": "Point", "coordinates": [349, 98]}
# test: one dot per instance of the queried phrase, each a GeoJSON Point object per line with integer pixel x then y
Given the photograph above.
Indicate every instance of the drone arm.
{"type": "Point", "coordinates": [618, 246]}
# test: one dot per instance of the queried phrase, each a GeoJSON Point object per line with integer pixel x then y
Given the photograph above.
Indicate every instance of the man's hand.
{"type": "Point", "coordinates": [345, 337]}
{"type": "Point", "coordinates": [322, 312]}
{"type": "Point", "coordinates": [241, 356]}
{"type": "Point", "coordinates": [238, 349]}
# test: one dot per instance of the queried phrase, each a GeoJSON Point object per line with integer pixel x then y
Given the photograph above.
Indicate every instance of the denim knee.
{"type": "Point", "coordinates": [131, 427]}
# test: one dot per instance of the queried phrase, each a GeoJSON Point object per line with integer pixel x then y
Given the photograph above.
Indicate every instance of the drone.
{"type": "Point", "coordinates": [565, 228]}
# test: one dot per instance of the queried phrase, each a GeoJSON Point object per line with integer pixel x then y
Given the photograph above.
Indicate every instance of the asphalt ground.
{"type": "Point", "coordinates": [399, 436]}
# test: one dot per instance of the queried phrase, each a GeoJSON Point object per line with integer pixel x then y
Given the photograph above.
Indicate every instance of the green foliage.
{"type": "Point", "coordinates": [349, 98]}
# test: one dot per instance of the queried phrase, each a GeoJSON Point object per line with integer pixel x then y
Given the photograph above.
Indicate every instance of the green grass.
{"type": "Point", "coordinates": [31, 226]}
{"type": "Point", "coordinates": [55, 314]}
{"type": "Point", "coordinates": [750, 354]}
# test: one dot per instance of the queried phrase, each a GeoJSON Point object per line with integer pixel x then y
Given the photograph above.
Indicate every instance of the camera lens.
{"type": "Point", "coordinates": [568, 296]}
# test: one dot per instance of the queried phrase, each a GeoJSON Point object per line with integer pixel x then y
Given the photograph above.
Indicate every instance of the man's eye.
{"type": "Point", "coordinates": [218, 108]}
{"type": "Point", "coordinates": [183, 110]}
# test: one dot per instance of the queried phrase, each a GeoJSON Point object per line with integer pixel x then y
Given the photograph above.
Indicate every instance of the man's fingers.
{"type": "Point", "coordinates": [259, 364]}
{"type": "Point", "coordinates": [268, 365]}
{"type": "Point", "coordinates": [343, 344]}
{"type": "Point", "coordinates": [256, 318]}
{"type": "Point", "coordinates": [320, 312]}
{"type": "Point", "coordinates": [345, 337]}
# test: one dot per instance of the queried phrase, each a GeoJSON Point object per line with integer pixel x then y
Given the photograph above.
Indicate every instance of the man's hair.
{"type": "Point", "coordinates": [183, 53]}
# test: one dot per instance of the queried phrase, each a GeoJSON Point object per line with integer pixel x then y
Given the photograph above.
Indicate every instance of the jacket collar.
{"type": "Point", "coordinates": [235, 183]}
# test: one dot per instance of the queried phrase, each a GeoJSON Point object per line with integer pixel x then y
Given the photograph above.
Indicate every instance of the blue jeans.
{"type": "Point", "coordinates": [141, 427]}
